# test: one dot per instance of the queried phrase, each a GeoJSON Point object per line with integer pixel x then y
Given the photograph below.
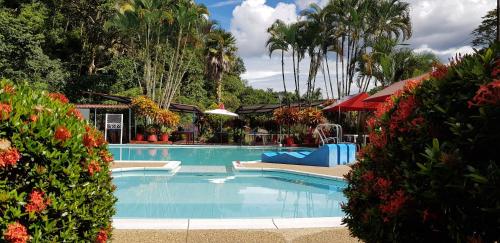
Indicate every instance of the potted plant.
{"type": "Point", "coordinates": [151, 130]}
{"type": "Point", "coordinates": [140, 135]}
{"type": "Point", "coordinates": [165, 133]}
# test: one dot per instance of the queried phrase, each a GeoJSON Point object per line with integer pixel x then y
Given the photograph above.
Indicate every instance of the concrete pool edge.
{"type": "Point", "coordinates": [237, 165]}
{"type": "Point", "coordinates": [169, 166]}
{"type": "Point", "coordinates": [213, 224]}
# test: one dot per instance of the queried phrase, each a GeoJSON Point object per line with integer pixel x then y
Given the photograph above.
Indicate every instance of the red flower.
{"type": "Point", "coordinates": [394, 204]}
{"type": "Point", "coordinates": [62, 134]}
{"type": "Point", "coordinates": [36, 202]}
{"type": "Point", "coordinates": [418, 121]}
{"type": "Point", "coordinates": [488, 94]}
{"type": "Point", "coordinates": [382, 184]}
{"type": "Point", "coordinates": [9, 157]}
{"type": "Point", "coordinates": [75, 113]}
{"type": "Point", "coordinates": [33, 118]}
{"type": "Point", "coordinates": [59, 97]}
{"type": "Point", "coordinates": [106, 157]}
{"type": "Point", "coordinates": [439, 71]}
{"type": "Point", "coordinates": [5, 110]}
{"type": "Point", "coordinates": [102, 236]}
{"type": "Point", "coordinates": [93, 167]}
{"type": "Point", "coordinates": [378, 139]}
{"type": "Point", "coordinates": [384, 107]}
{"type": "Point", "coordinates": [16, 233]}
{"type": "Point", "coordinates": [405, 108]}
{"type": "Point", "coordinates": [371, 122]}
{"type": "Point", "coordinates": [89, 141]}
{"type": "Point", "coordinates": [368, 176]}
{"type": "Point", "coordinates": [427, 215]}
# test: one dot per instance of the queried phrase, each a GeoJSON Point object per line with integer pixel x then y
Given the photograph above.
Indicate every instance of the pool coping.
{"type": "Point", "coordinates": [237, 166]}
{"type": "Point", "coordinates": [170, 166]}
{"type": "Point", "coordinates": [236, 223]}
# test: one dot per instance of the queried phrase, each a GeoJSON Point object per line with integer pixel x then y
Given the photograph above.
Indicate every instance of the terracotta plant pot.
{"type": "Point", "coordinates": [152, 138]}
{"type": "Point", "coordinates": [139, 137]}
{"type": "Point", "coordinates": [164, 137]}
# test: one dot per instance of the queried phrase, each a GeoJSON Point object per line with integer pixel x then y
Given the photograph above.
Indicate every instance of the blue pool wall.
{"type": "Point", "coordinates": [328, 155]}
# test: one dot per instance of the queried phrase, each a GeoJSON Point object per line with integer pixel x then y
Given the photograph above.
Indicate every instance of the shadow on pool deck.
{"type": "Point", "coordinates": [330, 235]}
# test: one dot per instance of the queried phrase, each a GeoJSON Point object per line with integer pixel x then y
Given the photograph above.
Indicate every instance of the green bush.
{"type": "Point", "coordinates": [431, 172]}
{"type": "Point", "coordinates": [55, 184]}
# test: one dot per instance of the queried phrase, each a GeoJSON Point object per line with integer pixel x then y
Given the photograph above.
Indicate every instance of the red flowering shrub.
{"type": "Point", "coordinates": [16, 233]}
{"type": "Point", "coordinates": [432, 172]}
{"type": "Point", "coordinates": [54, 185]}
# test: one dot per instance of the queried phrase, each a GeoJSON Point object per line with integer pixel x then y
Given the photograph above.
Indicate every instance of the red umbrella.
{"type": "Point", "coordinates": [382, 95]}
{"type": "Point", "coordinates": [353, 103]}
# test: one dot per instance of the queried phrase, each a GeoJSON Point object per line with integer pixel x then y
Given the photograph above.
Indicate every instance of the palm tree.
{"type": "Point", "coordinates": [277, 42]}
{"type": "Point", "coordinates": [161, 33]}
{"type": "Point", "coordinates": [220, 55]}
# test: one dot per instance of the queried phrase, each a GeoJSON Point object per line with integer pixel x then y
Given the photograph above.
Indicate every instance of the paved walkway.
{"type": "Point", "coordinates": [316, 235]}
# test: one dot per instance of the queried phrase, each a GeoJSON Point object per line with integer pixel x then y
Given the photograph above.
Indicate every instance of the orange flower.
{"type": "Point", "coordinates": [9, 157]}
{"type": "Point", "coordinates": [59, 97]}
{"type": "Point", "coordinates": [36, 202]}
{"type": "Point", "coordinates": [62, 133]}
{"type": "Point", "coordinates": [75, 113]}
{"type": "Point", "coordinates": [16, 233]}
{"type": "Point", "coordinates": [9, 89]}
{"type": "Point", "coordinates": [5, 110]}
{"type": "Point", "coordinates": [106, 157]}
{"type": "Point", "coordinates": [93, 167]}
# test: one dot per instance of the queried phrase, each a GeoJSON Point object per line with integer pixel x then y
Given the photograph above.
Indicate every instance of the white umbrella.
{"type": "Point", "coordinates": [221, 111]}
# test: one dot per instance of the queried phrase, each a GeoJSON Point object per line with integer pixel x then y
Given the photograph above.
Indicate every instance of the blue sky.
{"type": "Point", "coordinates": [442, 27]}
{"type": "Point", "coordinates": [222, 11]}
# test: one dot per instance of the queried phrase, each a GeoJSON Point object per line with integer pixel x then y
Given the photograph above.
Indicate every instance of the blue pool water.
{"type": "Point", "coordinates": [149, 194]}
{"type": "Point", "coordinates": [193, 155]}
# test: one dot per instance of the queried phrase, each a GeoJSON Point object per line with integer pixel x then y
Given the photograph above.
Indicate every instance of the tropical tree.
{"type": "Point", "coordinates": [277, 42]}
{"type": "Point", "coordinates": [161, 34]}
{"type": "Point", "coordinates": [220, 55]}
{"type": "Point", "coordinates": [486, 33]}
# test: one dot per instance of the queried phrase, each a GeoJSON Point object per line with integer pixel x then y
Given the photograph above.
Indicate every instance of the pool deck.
{"type": "Point", "coordinates": [319, 235]}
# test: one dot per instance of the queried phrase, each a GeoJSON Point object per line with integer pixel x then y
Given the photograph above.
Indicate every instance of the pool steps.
{"type": "Point", "coordinates": [328, 155]}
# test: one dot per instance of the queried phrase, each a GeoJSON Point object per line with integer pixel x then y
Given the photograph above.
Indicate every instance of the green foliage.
{"type": "Point", "coordinates": [431, 172]}
{"type": "Point", "coordinates": [486, 32]}
{"type": "Point", "coordinates": [60, 188]}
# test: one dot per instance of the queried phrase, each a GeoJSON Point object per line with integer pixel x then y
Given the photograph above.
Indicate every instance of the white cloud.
{"type": "Point", "coordinates": [446, 24]}
{"type": "Point", "coordinates": [251, 20]}
{"type": "Point", "coordinates": [442, 27]}
{"type": "Point", "coordinates": [445, 55]}
{"type": "Point", "coordinates": [303, 4]}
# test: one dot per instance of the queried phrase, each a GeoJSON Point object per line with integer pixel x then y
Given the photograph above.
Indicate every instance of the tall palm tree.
{"type": "Point", "coordinates": [161, 33]}
{"type": "Point", "coordinates": [220, 55]}
{"type": "Point", "coordinates": [277, 42]}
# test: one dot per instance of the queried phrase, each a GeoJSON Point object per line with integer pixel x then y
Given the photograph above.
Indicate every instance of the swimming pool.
{"type": "Point", "coordinates": [150, 194]}
{"type": "Point", "coordinates": [192, 155]}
